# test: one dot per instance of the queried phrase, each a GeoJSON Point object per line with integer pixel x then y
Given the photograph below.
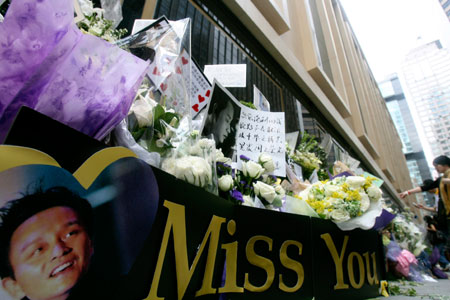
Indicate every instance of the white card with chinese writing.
{"type": "Point", "coordinates": [262, 132]}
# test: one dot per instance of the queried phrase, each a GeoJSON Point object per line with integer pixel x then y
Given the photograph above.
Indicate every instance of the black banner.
{"type": "Point", "coordinates": [174, 240]}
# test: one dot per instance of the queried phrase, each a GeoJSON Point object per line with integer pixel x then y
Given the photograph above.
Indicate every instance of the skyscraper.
{"type": "Point", "coordinates": [426, 73]}
{"type": "Point", "coordinates": [392, 92]}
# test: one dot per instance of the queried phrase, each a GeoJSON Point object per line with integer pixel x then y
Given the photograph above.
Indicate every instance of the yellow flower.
{"type": "Point", "coordinates": [353, 195]}
{"type": "Point", "coordinates": [337, 195]}
{"type": "Point", "coordinates": [318, 206]}
{"type": "Point", "coordinates": [345, 187]}
{"type": "Point", "coordinates": [368, 183]}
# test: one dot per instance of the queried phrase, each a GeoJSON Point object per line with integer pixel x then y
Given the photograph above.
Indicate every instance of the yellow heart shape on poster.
{"type": "Point", "coordinates": [15, 156]}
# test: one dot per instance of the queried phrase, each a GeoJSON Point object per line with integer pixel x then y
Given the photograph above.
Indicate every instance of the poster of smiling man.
{"type": "Point", "coordinates": [62, 239]}
{"type": "Point", "coordinates": [222, 119]}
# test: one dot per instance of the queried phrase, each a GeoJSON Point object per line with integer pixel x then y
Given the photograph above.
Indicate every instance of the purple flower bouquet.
{"type": "Point", "coordinates": [50, 66]}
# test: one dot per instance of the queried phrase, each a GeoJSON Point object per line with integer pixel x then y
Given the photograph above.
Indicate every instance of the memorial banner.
{"type": "Point", "coordinates": [157, 237]}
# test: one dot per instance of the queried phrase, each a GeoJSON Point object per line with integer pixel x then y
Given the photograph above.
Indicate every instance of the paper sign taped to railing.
{"type": "Point", "coordinates": [228, 75]}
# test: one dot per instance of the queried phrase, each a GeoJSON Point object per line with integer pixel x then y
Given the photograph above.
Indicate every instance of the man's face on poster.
{"type": "Point", "coordinates": [223, 124]}
{"type": "Point", "coordinates": [49, 253]}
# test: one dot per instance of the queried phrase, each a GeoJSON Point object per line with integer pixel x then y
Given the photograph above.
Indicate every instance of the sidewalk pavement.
{"type": "Point", "coordinates": [439, 290]}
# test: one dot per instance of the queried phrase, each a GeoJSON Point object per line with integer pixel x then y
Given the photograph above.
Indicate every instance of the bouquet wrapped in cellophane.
{"type": "Point", "coordinates": [49, 65]}
{"type": "Point", "coordinates": [407, 234]}
{"type": "Point", "coordinates": [349, 201]}
{"type": "Point", "coordinates": [252, 185]}
{"type": "Point", "coordinates": [162, 102]}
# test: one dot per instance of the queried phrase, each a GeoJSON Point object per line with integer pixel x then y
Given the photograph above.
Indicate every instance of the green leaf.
{"type": "Point", "coordinates": [158, 111]}
{"type": "Point", "coordinates": [137, 134]}
{"type": "Point", "coordinates": [248, 104]}
{"type": "Point", "coordinates": [277, 202]}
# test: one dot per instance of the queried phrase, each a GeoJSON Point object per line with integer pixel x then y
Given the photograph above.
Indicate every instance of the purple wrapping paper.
{"type": "Point", "coordinates": [383, 220]}
{"type": "Point", "coordinates": [346, 173]}
{"type": "Point", "coordinates": [47, 64]}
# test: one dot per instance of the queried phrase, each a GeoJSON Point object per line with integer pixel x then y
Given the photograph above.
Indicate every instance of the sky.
{"type": "Point", "coordinates": [388, 29]}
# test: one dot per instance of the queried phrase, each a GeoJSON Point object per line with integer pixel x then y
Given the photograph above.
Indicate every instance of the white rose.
{"type": "Point", "coordinates": [266, 162]}
{"type": "Point", "coordinates": [221, 158]}
{"type": "Point", "coordinates": [252, 169]}
{"type": "Point", "coordinates": [355, 181]}
{"type": "Point", "coordinates": [374, 193]}
{"type": "Point", "coordinates": [206, 143]}
{"type": "Point", "coordinates": [225, 183]}
{"type": "Point", "coordinates": [248, 201]}
{"type": "Point", "coordinates": [339, 215]}
{"type": "Point", "coordinates": [169, 165]}
{"type": "Point", "coordinates": [143, 110]}
{"type": "Point", "coordinates": [202, 171]}
{"type": "Point", "coordinates": [183, 169]}
{"type": "Point", "coordinates": [193, 169]}
{"type": "Point", "coordinates": [265, 191]}
{"type": "Point", "coordinates": [365, 202]}
{"type": "Point", "coordinates": [279, 190]}
{"type": "Point", "coordinates": [330, 189]}
{"type": "Point", "coordinates": [200, 146]}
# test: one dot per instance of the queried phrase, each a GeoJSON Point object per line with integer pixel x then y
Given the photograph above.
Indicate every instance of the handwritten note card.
{"type": "Point", "coordinates": [262, 132]}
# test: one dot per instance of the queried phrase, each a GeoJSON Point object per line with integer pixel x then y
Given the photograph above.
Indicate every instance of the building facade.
{"type": "Point", "coordinates": [446, 7]}
{"type": "Point", "coordinates": [426, 74]}
{"type": "Point", "coordinates": [419, 170]}
{"type": "Point", "coordinates": [304, 57]}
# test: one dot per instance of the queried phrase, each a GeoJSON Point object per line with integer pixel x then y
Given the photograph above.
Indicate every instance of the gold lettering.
{"type": "Point", "coordinates": [176, 222]}
{"type": "Point", "coordinates": [338, 259]}
{"type": "Point", "coordinates": [259, 261]}
{"type": "Point", "coordinates": [371, 279]}
{"type": "Point", "coordinates": [351, 275]}
{"type": "Point", "coordinates": [231, 250]}
{"type": "Point", "coordinates": [293, 265]}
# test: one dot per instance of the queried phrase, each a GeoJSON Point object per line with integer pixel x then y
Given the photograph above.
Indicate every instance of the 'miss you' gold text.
{"type": "Point", "coordinates": [176, 224]}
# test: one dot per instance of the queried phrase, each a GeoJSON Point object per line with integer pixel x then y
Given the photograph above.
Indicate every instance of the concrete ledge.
{"type": "Point", "coordinates": [273, 15]}
{"type": "Point", "coordinates": [364, 139]}
{"type": "Point", "coordinates": [330, 91]}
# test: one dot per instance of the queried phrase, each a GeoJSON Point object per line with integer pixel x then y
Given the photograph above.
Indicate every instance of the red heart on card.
{"type": "Point", "coordinates": [200, 98]}
{"type": "Point", "coordinates": [195, 107]}
{"type": "Point", "coordinates": [184, 60]}
{"type": "Point", "coordinates": [163, 86]}
{"type": "Point", "coordinates": [178, 70]}
{"type": "Point", "coordinates": [156, 71]}
{"type": "Point", "coordinates": [207, 93]}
